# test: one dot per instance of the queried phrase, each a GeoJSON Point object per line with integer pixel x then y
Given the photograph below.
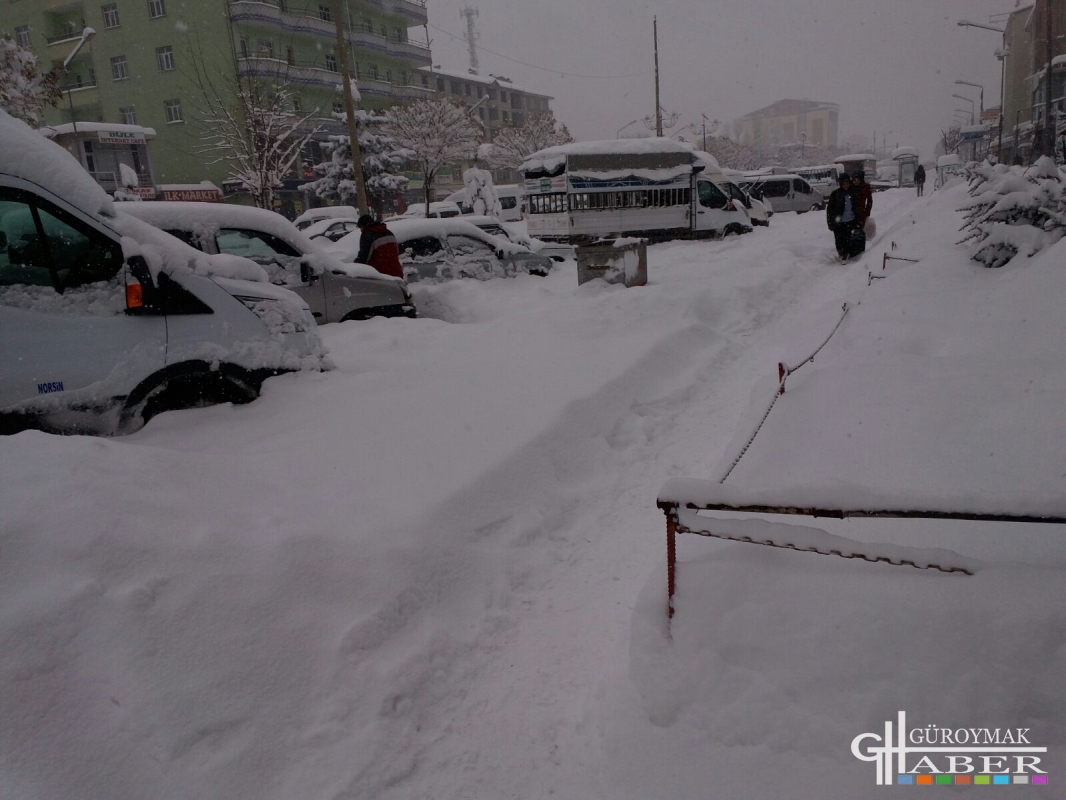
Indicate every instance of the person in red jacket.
{"type": "Point", "coordinates": [377, 247]}
{"type": "Point", "coordinates": [865, 194]}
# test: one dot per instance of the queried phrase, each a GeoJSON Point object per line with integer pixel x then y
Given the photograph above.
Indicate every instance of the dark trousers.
{"type": "Point", "coordinates": [842, 233]}
{"type": "Point", "coordinates": [921, 189]}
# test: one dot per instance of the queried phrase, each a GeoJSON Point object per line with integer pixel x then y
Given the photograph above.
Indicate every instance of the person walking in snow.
{"type": "Point", "coordinates": [919, 179]}
{"type": "Point", "coordinates": [842, 217]}
{"type": "Point", "coordinates": [377, 247]}
{"type": "Point", "coordinates": [866, 198]}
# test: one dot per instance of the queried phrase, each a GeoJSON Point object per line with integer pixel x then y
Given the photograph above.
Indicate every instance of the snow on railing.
{"type": "Point", "coordinates": [683, 499]}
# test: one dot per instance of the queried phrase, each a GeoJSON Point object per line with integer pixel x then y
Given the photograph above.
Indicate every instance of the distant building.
{"type": "Point", "coordinates": [788, 122]}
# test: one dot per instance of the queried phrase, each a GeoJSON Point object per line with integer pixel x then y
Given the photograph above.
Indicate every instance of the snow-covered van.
{"type": "Point", "coordinates": [625, 187]}
{"type": "Point", "coordinates": [106, 321]}
{"type": "Point", "coordinates": [786, 192]}
{"type": "Point", "coordinates": [510, 196]}
{"type": "Point", "coordinates": [336, 292]}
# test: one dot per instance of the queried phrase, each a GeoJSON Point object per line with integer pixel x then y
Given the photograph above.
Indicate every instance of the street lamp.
{"type": "Point", "coordinates": [87, 35]}
{"type": "Point", "coordinates": [976, 86]}
{"type": "Point", "coordinates": [619, 131]}
{"type": "Point", "coordinates": [1001, 54]}
{"type": "Point", "coordinates": [973, 105]}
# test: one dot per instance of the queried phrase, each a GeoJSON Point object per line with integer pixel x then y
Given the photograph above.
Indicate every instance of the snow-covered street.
{"type": "Point", "coordinates": [438, 571]}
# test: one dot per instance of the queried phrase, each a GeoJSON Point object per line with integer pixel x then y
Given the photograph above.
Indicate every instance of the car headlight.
{"type": "Point", "coordinates": [279, 316]}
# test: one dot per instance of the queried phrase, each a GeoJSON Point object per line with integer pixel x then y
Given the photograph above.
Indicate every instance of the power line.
{"type": "Point", "coordinates": [537, 66]}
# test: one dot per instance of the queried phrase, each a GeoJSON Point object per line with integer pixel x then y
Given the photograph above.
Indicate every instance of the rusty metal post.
{"type": "Point", "coordinates": [884, 261]}
{"type": "Point", "coordinates": [782, 373]}
{"type": "Point", "coordinates": [671, 559]}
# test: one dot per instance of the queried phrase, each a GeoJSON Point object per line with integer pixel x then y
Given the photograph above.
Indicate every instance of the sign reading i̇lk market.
{"type": "Point", "coordinates": [961, 756]}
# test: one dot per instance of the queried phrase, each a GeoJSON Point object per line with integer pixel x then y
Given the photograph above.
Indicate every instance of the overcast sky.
{"type": "Point", "coordinates": [890, 64]}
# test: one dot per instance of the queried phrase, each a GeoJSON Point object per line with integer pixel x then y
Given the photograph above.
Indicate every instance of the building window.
{"type": "Point", "coordinates": [156, 9]}
{"type": "Point", "coordinates": [331, 62]}
{"type": "Point", "coordinates": [440, 85]}
{"type": "Point", "coordinates": [503, 96]}
{"type": "Point", "coordinates": [384, 32]}
{"type": "Point", "coordinates": [506, 117]}
{"type": "Point", "coordinates": [22, 35]}
{"type": "Point", "coordinates": [244, 48]}
{"type": "Point", "coordinates": [325, 13]}
{"type": "Point", "coordinates": [493, 114]}
{"type": "Point", "coordinates": [481, 113]}
{"type": "Point", "coordinates": [492, 94]}
{"type": "Point", "coordinates": [297, 106]}
{"type": "Point", "coordinates": [128, 115]}
{"type": "Point", "coordinates": [338, 108]}
{"type": "Point", "coordinates": [368, 25]}
{"type": "Point", "coordinates": [372, 71]}
{"type": "Point", "coordinates": [401, 34]}
{"type": "Point", "coordinates": [456, 87]}
{"type": "Point", "coordinates": [173, 109]}
{"type": "Point", "coordinates": [266, 48]}
{"type": "Point", "coordinates": [118, 68]}
{"type": "Point", "coordinates": [425, 81]}
{"type": "Point", "coordinates": [388, 76]}
{"type": "Point", "coordinates": [110, 15]}
{"type": "Point", "coordinates": [466, 89]}
{"type": "Point", "coordinates": [164, 58]}
{"type": "Point", "coordinates": [403, 78]}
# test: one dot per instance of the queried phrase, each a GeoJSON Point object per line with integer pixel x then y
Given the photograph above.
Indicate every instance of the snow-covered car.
{"type": "Point", "coordinates": [335, 291]}
{"type": "Point", "coordinates": [313, 215]}
{"type": "Point", "coordinates": [511, 198]}
{"type": "Point", "coordinates": [106, 321]}
{"type": "Point", "coordinates": [442, 209]}
{"type": "Point", "coordinates": [556, 251]}
{"type": "Point", "coordinates": [331, 229]}
{"type": "Point", "coordinates": [452, 248]}
{"type": "Point", "coordinates": [758, 211]}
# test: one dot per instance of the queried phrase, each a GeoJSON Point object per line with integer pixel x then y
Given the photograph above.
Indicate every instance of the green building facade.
{"type": "Point", "coordinates": [141, 66]}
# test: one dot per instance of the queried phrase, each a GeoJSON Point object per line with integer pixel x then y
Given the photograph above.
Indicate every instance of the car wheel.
{"type": "Point", "coordinates": [191, 385]}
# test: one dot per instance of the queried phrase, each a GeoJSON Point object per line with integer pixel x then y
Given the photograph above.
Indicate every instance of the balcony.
{"type": "Point", "coordinates": [298, 73]}
{"type": "Point", "coordinates": [271, 14]}
{"type": "Point", "coordinates": [65, 37]}
{"type": "Point", "coordinates": [55, 6]}
{"type": "Point", "coordinates": [414, 10]}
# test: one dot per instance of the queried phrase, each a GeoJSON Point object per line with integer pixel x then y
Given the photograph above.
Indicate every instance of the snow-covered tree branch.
{"type": "Point", "coordinates": [249, 122]}
{"type": "Point", "coordinates": [511, 146]}
{"type": "Point", "coordinates": [24, 89]}
{"type": "Point", "coordinates": [438, 132]}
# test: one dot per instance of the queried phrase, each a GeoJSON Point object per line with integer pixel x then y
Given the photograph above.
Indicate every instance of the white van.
{"type": "Point", "coordinates": [785, 192]}
{"type": "Point", "coordinates": [106, 321]}
{"type": "Point", "coordinates": [511, 202]}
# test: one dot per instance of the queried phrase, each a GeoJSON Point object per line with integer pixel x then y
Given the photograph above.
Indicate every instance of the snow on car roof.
{"type": "Point", "coordinates": [709, 162]}
{"type": "Point", "coordinates": [327, 212]}
{"type": "Point", "coordinates": [551, 158]}
{"type": "Point", "coordinates": [855, 157]}
{"type": "Point", "coordinates": [28, 155]}
{"type": "Point", "coordinates": [323, 225]}
{"type": "Point", "coordinates": [205, 219]}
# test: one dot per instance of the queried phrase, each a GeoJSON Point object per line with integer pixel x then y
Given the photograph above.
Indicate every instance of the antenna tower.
{"type": "Point", "coordinates": [472, 36]}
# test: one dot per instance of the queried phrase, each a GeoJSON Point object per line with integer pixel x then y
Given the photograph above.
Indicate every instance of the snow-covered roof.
{"type": "Point", "coordinates": [28, 155]}
{"type": "Point", "coordinates": [708, 162]}
{"type": "Point", "coordinates": [96, 127]}
{"type": "Point", "coordinates": [905, 152]}
{"type": "Point", "coordinates": [483, 80]}
{"type": "Point", "coordinates": [551, 158]}
{"type": "Point", "coordinates": [950, 160]}
{"type": "Point", "coordinates": [855, 157]}
{"type": "Point", "coordinates": [975, 129]}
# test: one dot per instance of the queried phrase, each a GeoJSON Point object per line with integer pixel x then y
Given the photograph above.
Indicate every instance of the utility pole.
{"type": "Point", "coordinates": [704, 131]}
{"type": "Point", "coordinates": [659, 109]}
{"type": "Point", "coordinates": [1048, 139]}
{"type": "Point", "coordinates": [471, 37]}
{"type": "Point", "coordinates": [349, 108]}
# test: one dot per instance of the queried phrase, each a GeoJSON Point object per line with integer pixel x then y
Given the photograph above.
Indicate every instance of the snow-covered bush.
{"type": "Point", "coordinates": [480, 193]}
{"type": "Point", "coordinates": [24, 89]}
{"type": "Point", "coordinates": [1014, 211]}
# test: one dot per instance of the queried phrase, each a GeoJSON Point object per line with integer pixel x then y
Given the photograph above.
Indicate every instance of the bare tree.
{"type": "Point", "coordinates": [950, 139]}
{"type": "Point", "coordinates": [511, 146]}
{"type": "Point", "coordinates": [250, 123]}
{"type": "Point", "coordinates": [439, 133]}
{"type": "Point", "coordinates": [24, 89]}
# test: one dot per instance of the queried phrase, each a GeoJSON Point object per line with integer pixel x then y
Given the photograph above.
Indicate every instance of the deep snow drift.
{"type": "Point", "coordinates": [438, 571]}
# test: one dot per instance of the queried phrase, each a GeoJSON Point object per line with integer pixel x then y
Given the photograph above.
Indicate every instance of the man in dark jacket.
{"type": "Point", "coordinates": [919, 179]}
{"type": "Point", "coordinates": [865, 194]}
{"type": "Point", "coordinates": [377, 247]}
{"type": "Point", "coordinates": [842, 215]}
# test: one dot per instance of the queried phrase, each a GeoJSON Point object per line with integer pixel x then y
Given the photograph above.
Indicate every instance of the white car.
{"type": "Point", "coordinates": [106, 321]}
{"type": "Point", "coordinates": [445, 249]}
{"type": "Point", "coordinates": [438, 210]}
{"type": "Point", "coordinates": [556, 251]}
{"type": "Point", "coordinates": [511, 197]}
{"type": "Point", "coordinates": [313, 215]}
{"type": "Point", "coordinates": [331, 229]}
{"type": "Point", "coordinates": [335, 291]}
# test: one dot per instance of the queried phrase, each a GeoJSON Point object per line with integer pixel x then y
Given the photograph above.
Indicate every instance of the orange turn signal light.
{"type": "Point", "coordinates": [134, 295]}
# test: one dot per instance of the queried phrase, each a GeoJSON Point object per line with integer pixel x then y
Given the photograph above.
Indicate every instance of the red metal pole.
{"type": "Point", "coordinates": [671, 560]}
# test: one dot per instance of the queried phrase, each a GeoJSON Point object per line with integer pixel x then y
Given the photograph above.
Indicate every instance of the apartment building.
{"type": "Point", "coordinates": [140, 67]}
{"type": "Point", "coordinates": [789, 122]}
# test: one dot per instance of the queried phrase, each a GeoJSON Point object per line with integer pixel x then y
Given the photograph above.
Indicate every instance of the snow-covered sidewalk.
{"type": "Point", "coordinates": [437, 572]}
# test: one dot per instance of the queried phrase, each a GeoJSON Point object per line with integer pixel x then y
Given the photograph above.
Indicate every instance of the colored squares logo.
{"type": "Point", "coordinates": [1000, 779]}
{"type": "Point", "coordinates": [1021, 779]}
{"type": "Point", "coordinates": [962, 780]}
{"type": "Point", "coordinates": [925, 780]}
{"type": "Point", "coordinates": [983, 780]}
{"type": "Point", "coordinates": [1040, 779]}
{"type": "Point", "coordinates": [944, 779]}
{"type": "Point", "coordinates": [905, 780]}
